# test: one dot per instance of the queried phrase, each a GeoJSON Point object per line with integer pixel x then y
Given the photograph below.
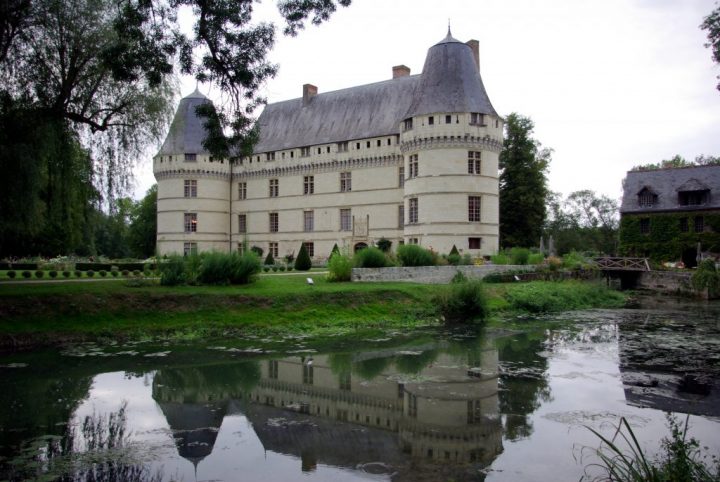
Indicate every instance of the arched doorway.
{"type": "Point", "coordinates": [359, 246]}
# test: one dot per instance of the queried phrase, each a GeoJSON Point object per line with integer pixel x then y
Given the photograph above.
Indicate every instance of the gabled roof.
{"type": "Point", "coordinates": [666, 183]}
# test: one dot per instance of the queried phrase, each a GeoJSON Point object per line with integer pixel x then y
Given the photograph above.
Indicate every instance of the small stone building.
{"type": "Point", "coordinates": [413, 159]}
{"type": "Point", "coordinates": [671, 214]}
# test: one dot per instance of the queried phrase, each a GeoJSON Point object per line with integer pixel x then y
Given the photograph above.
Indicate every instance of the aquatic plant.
{"type": "Point", "coordinates": [707, 277]}
{"type": "Point", "coordinates": [172, 271]}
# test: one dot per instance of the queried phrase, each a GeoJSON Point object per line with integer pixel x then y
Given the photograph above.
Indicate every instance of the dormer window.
{"type": "Point", "coordinates": [190, 157]}
{"type": "Point", "coordinates": [693, 198]}
{"type": "Point", "coordinates": [647, 198]}
{"type": "Point", "coordinates": [477, 119]}
{"type": "Point", "coordinates": [269, 156]}
{"type": "Point", "coordinates": [407, 124]}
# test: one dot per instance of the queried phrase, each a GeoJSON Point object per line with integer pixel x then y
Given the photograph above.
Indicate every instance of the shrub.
{"type": "Point", "coordinates": [102, 273]}
{"type": "Point", "coordinates": [370, 258]}
{"type": "Point", "coordinates": [467, 260]}
{"type": "Point", "coordinates": [334, 251]}
{"type": "Point", "coordinates": [11, 274]}
{"type": "Point", "coordinates": [269, 260]}
{"type": "Point", "coordinates": [340, 267]}
{"type": "Point", "coordinates": [500, 258]}
{"type": "Point", "coordinates": [454, 250]}
{"type": "Point", "coordinates": [274, 268]}
{"type": "Point", "coordinates": [216, 269]}
{"type": "Point", "coordinates": [257, 250]}
{"type": "Point", "coordinates": [548, 296]}
{"type": "Point", "coordinates": [26, 274]}
{"type": "Point", "coordinates": [464, 301]}
{"type": "Point", "coordinates": [125, 272]}
{"type": "Point", "coordinates": [282, 269]}
{"type": "Point", "coordinates": [136, 273]}
{"type": "Point", "coordinates": [66, 274]}
{"type": "Point", "coordinates": [114, 273]}
{"type": "Point", "coordinates": [707, 277]}
{"type": "Point", "coordinates": [192, 268]}
{"type": "Point", "coordinates": [53, 274]}
{"type": "Point", "coordinates": [414, 255]}
{"type": "Point", "coordinates": [290, 268]}
{"type": "Point", "coordinates": [459, 277]}
{"type": "Point", "coordinates": [303, 262]}
{"type": "Point", "coordinates": [266, 269]}
{"type": "Point", "coordinates": [519, 255]}
{"type": "Point", "coordinates": [573, 260]}
{"type": "Point", "coordinates": [554, 263]}
{"type": "Point", "coordinates": [89, 273]}
{"type": "Point", "coordinates": [39, 273]}
{"type": "Point", "coordinates": [384, 245]}
{"type": "Point", "coordinates": [147, 273]}
{"type": "Point", "coordinates": [246, 266]}
{"type": "Point", "coordinates": [453, 259]}
{"type": "Point", "coordinates": [172, 271]}
{"type": "Point", "coordinates": [536, 258]}
{"type": "Point", "coordinates": [78, 273]}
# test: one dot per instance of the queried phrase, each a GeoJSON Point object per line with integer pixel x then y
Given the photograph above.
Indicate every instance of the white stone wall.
{"type": "Point", "coordinates": [432, 274]}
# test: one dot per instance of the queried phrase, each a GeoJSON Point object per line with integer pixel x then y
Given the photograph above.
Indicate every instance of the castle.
{"type": "Point", "coordinates": [413, 159]}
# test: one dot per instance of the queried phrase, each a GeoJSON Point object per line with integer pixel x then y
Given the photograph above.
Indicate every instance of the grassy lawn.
{"type": "Point", "coordinates": [40, 313]}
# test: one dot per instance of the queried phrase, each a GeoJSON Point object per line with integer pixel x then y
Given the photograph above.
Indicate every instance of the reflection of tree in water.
{"type": "Point", "coordinates": [210, 382]}
{"type": "Point", "coordinates": [523, 381]}
{"type": "Point", "coordinates": [99, 452]}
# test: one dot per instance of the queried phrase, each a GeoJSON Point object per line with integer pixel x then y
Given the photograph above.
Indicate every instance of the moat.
{"type": "Point", "coordinates": [497, 405]}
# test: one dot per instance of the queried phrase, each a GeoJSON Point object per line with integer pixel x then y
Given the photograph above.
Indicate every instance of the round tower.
{"type": "Point", "coordinates": [450, 139]}
{"type": "Point", "coordinates": [193, 212]}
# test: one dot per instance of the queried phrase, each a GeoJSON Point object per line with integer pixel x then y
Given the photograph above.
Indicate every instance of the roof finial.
{"type": "Point", "coordinates": [449, 34]}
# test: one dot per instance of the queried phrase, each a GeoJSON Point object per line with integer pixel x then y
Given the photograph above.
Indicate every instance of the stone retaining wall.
{"type": "Point", "coordinates": [431, 274]}
{"type": "Point", "coordinates": [667, 281]}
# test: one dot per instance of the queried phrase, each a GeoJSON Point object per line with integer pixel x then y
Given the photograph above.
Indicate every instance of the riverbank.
{"type": "Point", "coordinates": [36, 314]}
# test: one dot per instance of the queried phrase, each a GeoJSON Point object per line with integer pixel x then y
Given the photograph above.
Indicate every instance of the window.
{"type": "Point", "coordinates": [242, 223]}
{"type": "Point", "coordinates": [189, 249]}
{"type": "Point", "coordinates": [319, 150]}
{"type": "Point", "coordinates": [448, 119]}
{"type": "Point", "coordinates": [699, 224]}
{"type": "Point", "coordinates": [345, 381]}
{"type": "Point", "coordinates": [645, 225]}
{"type": "Point", "coordinates": [345, 220]}
{"type": "Point", "coordinates": [684, 228]}
{"type": "Point", "coordinates": [413, 166]}
{"type": "Point", "coordinates": [307, 374]}
{"type": "Point", "coordinates": [310, 248]}
{"type": "Point", "coordinates": [401, 216]}
{"type": "Point", "coordinates": [273, 221]}
{"type": "Point", "coordinates": [345, 181]}
{"type": "Point", "coordinates": [407, 124]}
{"type": "Point", "coordinates": [473, 208]}
{"type": "Point", "coordinates": [413, 215]}
{"type": "Point", "coordinates": [242, 190]}
{"type": "Point", "coordinates": [342, 146]}
{"type": "Point", "coordinates": [327, 149]}
{"type": "Point", "coordinates": [190, 188]}
{"type": "Point", "coordinates": [308, 221]}
{"type": "Point", "coordinates": [474, 243]}
{"type": "Point", "coordinates": [190, 222]}
{"type": "Point", "coordinates": [412, 405]}
{"type": "Point", "coordinates": [379, 143]}
{"type": "Point", "coordinates": [274, 188]}
{"type": "Point", "coordinates": [368, 144]}
{"type": "Point", "coordinates": [474, 412]}
{"type": "Point", "coordinates": [477, 119]}
{"type": "Point", "coordinates": [308, 184]}
{"type": "Point", "coordinates": [473, 162]}
{"type": "Point", "coordinates": [413, 241]}
{"type": "Point", "coordinates": [273, 369]}
{"type": "Point", "coordinates": [692, 198]}
{"type": "Point", "coordinates": [304, 151]}
{"type": "Point", "coordinates": [431, 120]}
{"type": "Point", "coordinates": [647, 198]}
{"type": "Point", "coordinates": [270, 156]}
{"type": "Point", "coordinates": [190, 157]}
{"type": "Point", "coordinates": [273, 248]}
{"type": "Point", "coordinates": [401, 176]}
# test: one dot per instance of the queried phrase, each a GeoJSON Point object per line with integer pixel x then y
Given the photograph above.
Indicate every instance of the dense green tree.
{"type": "Point", "coordinates": [711, 23]}
{"type": "Point", "coordinates": [523, 185]}
{"type": "Point", "coordinates": [142, 235]}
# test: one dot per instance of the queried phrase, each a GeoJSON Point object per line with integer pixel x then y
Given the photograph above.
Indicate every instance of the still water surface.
{"type": "Point", "coordinates": [431, 405]}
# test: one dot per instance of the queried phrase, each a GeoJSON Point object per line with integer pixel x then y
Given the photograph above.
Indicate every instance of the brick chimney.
{"type": "Point", "coordinates": [475, 47]}
{"type": "Point", "coordinates": [400, 71]}
{"type": "Point", "coordinates": [309, 91]}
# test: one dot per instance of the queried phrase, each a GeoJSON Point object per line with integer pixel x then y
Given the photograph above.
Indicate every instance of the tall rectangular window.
{"type": "Point", "coordinates": [307, 374]}
{"type": "Point", "coordinates": [342, 146]}
{"type": "Point", "coordinates": [407, 124]}
{"type": "Point", "coordinates": [189, 249]}
{"type": "Point", "coordinates": [345, 181]}
{"type": "Point", "coordinates": [308, 184]}
{"type": "Point", "coordinates": [273, 248]}
{"type": "Point", "coordinates": [310, 248]}
{"type": "Point", "coordinates": [401, 176]}
{"type": "Point", "coordinates": [401, 216]}
{"type": "Point", "coordinates": [699, 224]}
{"type": "Point", "coordinates": [645, 225]}
{"type": "Point", "coordinates": [448, 119]}
{"type": "Point", "coordinates": [473, 208]}
{"type": "Point", "coordinates": [308, 221]}
{"type": "Point", "coordinates": [345, 380]}
{"type": "Point", "coordinates": [413, 166]}
{"type": "Point", "coordinates": [304, 152]}
{"type": "Point", "coordinates": [345, 220]}
{"type": "Point", "coordinates": [242, 190]}
{"type": "Point", "coordinates": [242, 223]}
{"type": "Point", "coordinates": [274, 188]}
{"type": "Point", "coordinates": [190, 222]}
{"type": "Point", "coordinates": [190, 188]}
{"type": "Point", "coordinates": [473, 162]}
{"type": "Point", "coordinates": [431, 120]}
{"type": "Point", "coordinates": [273, 369]}
{"type": "Point", "coordinates": [413, 208]}
{"type": "Point", "coordinates": [273, 218]}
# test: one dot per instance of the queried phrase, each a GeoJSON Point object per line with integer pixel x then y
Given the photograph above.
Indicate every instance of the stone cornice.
{"type": "Point", "coordinates": [318, 167]}
{"type": "Point", "coordinates": [486, 142]}
{"type": "Point", "coordinates": [184, 173]}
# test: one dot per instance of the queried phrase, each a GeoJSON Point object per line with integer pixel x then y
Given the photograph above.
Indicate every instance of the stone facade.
{"type": "Point", "coordinates": [413, 159]}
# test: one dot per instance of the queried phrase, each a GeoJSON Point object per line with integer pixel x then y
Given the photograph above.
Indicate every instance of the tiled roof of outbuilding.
{"type": "Point", "coordinates": [666, 183]}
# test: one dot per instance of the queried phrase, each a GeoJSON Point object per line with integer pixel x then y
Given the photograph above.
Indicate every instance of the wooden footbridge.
{"type": "Point", "coordinates": [626, 269]}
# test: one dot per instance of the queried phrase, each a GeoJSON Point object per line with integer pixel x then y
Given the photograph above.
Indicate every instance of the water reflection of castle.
{"type": "Point", "coordinates": [323, 411]}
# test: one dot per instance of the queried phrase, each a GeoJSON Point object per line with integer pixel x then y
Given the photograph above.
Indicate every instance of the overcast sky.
{"type": "Point", "coordinates": [609, 83]}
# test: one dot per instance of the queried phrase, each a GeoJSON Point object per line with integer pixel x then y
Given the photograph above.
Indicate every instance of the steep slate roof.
{"type": "Point", "coordinates": [449, 82]}
{"type": "Point", "coordinates": [666, 183]}
{"type": "Point", "coordinates": [186, 133]}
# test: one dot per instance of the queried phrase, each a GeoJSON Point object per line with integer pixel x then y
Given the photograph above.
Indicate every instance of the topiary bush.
{"type": "Point", "coordinates": [114, 273]}
{"type": "Point", "coordinates": [66, 274]}
{"type": "Point", "coordinates": [172, 271]}
{"type": "Point", "coordinates": [125, 272]}
{"type": "Point", "coordinates": [39, 273]}
{"type": "Point", "coordinates": [89, 273]}
{"type": "Point", "coordinates": [340, 267]}
{"type": "Point", "coordinates": [303, 261]}
{"type": "Point", "coordinates": [282, 268]}
{"type": "Point", "coordinates": [26, 274]}
{"type": "Point", "coordinates": [266, 269]}
{"type": "Point", "coordinates": [464, 301]}
{"type": "Point", "coordinates": [269, 260]}
{"type": "Point", "coordinates": [137, 273]}
{"type": "Point", "coordinates": [53, 274]}
{"type": "Point", "coordinates": [334, 251]}
{"type": "Point", "coordinates": [78, 273]}
{"type": "Point", "coordinates": [257, 250]}
{"type": "Point", "coordinates": [414, 255]}
{"type": "Point", "coordinates": [11, 274]}
{"type": "Point", "coordinates": [102, 273]}
{"type": "Point", "coordinates": [370, 258]}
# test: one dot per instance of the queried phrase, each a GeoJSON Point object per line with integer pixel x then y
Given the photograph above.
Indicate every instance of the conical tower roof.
{"type": "Point", "coordinates": [187, 132]}
{"type": "Point", "coordinates": [450, 81]}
